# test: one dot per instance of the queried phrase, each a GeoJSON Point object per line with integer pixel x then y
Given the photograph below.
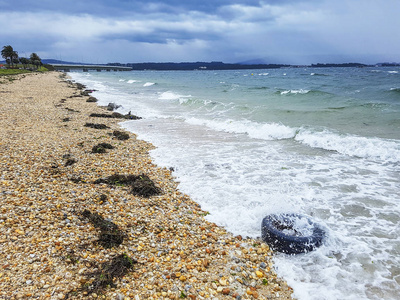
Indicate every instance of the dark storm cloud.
{"type": "Point", "coordinates": [228, 30]}
{"type": "Point", "coordinates": [126, 7]}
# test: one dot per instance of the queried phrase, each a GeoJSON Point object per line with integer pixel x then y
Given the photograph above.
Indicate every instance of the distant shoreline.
{"type": "Point", "coordinates": [216, 65]}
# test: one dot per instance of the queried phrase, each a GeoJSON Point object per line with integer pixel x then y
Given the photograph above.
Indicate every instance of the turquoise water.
{"type": "Point", "coordinates": [321, 142]}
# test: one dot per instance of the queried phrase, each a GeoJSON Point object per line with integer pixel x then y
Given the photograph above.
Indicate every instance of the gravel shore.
{"type": "Point", "coordinates": [85, 214]}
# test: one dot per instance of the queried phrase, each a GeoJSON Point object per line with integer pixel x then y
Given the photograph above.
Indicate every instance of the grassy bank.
{"type": "Point", "coordinates": [5, 72]}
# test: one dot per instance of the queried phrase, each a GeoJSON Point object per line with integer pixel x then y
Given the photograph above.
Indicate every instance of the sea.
{"type": "Point", "coordinates": [321, 142]}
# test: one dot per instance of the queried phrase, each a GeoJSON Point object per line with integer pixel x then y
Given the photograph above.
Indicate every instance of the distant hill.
{"type": "Point", "coordinates": [61, 62]}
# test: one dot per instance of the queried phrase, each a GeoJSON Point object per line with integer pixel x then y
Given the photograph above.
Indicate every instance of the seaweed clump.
{"type": "Point", "coordinates": [120, 135]}
{"type": "Point", "coordinates": [112, 106]}
{"type": "Point", "coordinates": [80, 86]}
{"type": "Point", "coordinates": [96, 126]}
{"type": "Point", "coordinates": [107, 274]}
{"type": "Point", "coordinates": [91, 99]}
{"type": "Point", "coordinates": [110, 235]}
{"type": "Point", "coordinates": [115, 115]}
{"type": "Point", "coordinates": [101, 148]}
{"type": "Point", "coordinates": [70, 162]}
{"type": "Point", "coordinates": [141, 185]}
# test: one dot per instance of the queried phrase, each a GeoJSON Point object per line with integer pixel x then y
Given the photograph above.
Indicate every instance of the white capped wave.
{"type": "Point", "coordinates": [149, 84]}
{"type": "Point", "coordinates": [371, 148]}
{"type": "Point", "coordinates": [300, 91]}
{"type": "Point", "coordinates": [132, 81]}
{"type": "Point", "coordinates": [121, 80]}
{"type": "Point", "coordinates": [172, 96]}
{"type": "Point", "coordinates": [266, 131]}
{"type": "Point", "coordinates": [393, 72]}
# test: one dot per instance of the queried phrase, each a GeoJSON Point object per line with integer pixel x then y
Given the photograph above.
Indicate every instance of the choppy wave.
{"type": "Point", "coordinates": [266, 131]}
{"type": "Point", "coordinates": [318, 74]}
{"type": "Point", "coordinates": [371, 148]}
{"type": "Point", "coordinates": [300, 92]}
{"type": "Point", "coordinates": [355, 146]}
{"type": "Point", "coordinates": [259, 88]}
{"type": "Point", "coordinates": [149, 84]}
{"type": "Point", "coordinates": [132, 81]}
{"type": "Point", "coordinates": [172, 96]}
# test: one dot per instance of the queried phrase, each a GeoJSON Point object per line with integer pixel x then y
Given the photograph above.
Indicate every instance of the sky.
{"type": "Point", "coordinates": [271, 31]}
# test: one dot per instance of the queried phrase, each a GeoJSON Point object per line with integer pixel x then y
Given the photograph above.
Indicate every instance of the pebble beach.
{"type": "Point", "coordinates": [86, 214]}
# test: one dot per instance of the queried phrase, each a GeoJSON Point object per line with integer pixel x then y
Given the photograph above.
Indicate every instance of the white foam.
{"type": "Point", "coordinates": [301, 91]}
{"type": "Point", "coordinates": [132, 81]}
{"type": "Point", "coordinates": [149, 84]}
{"type": "Point", "coordinates": [169, 95]}
{"type": "Point", "coordinates": [371, 148]}
{"type": "Point", "coordinates": [393, 72]}
{"type": "Point", "coordinates": [265, 131]}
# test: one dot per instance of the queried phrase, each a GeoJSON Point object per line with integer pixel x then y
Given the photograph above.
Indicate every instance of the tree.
{"type": "Point", "coordinates": [24, 61]}
{"type": "Point", "coordinates": [35, 60]}
{"type": "Point", "coordinates": [9, 55]}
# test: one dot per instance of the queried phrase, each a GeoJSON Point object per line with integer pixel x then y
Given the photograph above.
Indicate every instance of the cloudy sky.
{"type": "Point", "coordinates": [278, 31]}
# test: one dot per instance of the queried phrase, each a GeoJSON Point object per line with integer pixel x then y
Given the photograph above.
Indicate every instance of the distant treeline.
{"type": "Point", "coordinates": [216, 65]}
{"type": "Point", "coordinates": [390, 65]}
{"type": "Point", "coordinates": [346, 65]}
{"type": "Point", "coordinates": [197, 66]}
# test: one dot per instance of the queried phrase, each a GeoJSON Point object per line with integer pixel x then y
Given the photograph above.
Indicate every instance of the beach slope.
{"type": "Point", "coordinates": [85, 214]}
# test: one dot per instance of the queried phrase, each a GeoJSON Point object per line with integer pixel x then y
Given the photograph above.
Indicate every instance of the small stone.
{"type": "Point", "coordinates": [120, 297]}
{"type": "Point", "coordinates": [226, 291]}
{"type": "Point", "coordinates": [263, 265]}
{"type": "Point", "coordinates": [28, 281]}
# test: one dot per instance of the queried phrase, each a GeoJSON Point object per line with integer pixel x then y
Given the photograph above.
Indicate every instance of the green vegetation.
{"type": "Point", "coordinates": [19, 65]}
{"type": "Point", "coordinates": [4, 72]}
